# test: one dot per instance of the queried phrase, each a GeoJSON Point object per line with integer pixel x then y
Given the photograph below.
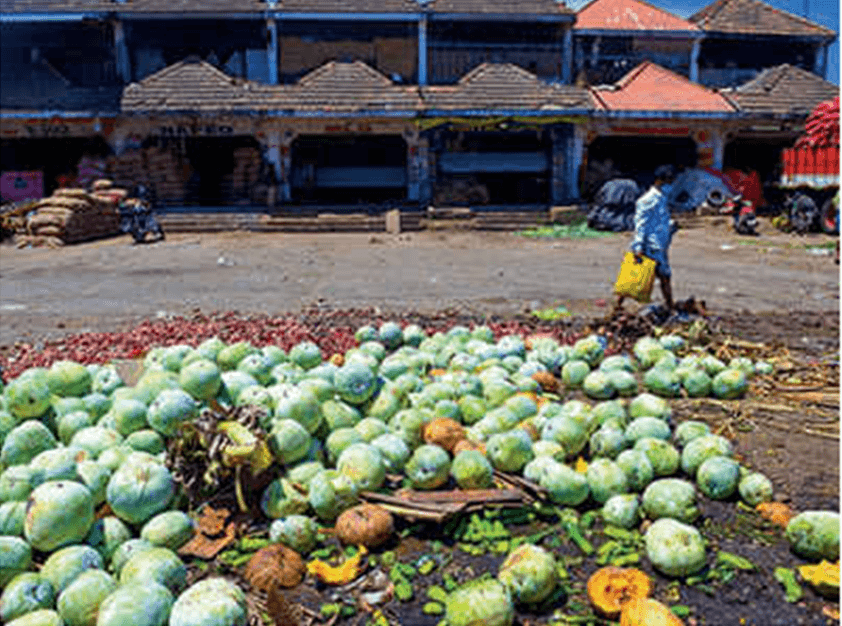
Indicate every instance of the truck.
{"type": "Point", "coordinates": [810, 173]}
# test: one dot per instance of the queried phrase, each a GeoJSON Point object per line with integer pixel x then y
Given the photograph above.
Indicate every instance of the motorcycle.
{"type": "Point", "coordinates": [137, 218]}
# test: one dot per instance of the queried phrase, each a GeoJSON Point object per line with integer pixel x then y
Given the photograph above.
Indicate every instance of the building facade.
{"type": "Point", "coordinates": [300, 103]}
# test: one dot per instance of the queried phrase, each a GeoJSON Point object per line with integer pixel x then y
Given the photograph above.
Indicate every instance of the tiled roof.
{"type": "Point", "coordinates": [194, 85]}
{"type": "Point", "coordinates": [212, 6]}
{"type": "Point", "coordinates": [650, 87]}
{"type": "Point", "coordinates": [55, 6]}
{"type": "Point", "coordinates": [783, 90]}
{"type": "Point", "coordinates": [628, 15]}
{"type": "Point", "coordinates": [755, 18]}
{"type": "Point", "coordinates": [534, 7]}
{"type": "Point", "coordinates": [504, 86]}
{"type": "Point", "coordinates": [544, 7]}
{"type": "Point", "coordinates": [353, 86]}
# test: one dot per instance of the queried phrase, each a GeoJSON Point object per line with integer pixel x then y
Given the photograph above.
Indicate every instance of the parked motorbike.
{"type": "Point", "coordinates": [137, 217]}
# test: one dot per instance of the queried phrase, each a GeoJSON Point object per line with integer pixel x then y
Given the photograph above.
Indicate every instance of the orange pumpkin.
{"type": "Point", "coordinates": [444, 432]}
{"type": "Point", "coordinates": [776, 512]}
{"type": "Point", "coordinates": [547, 381]}
{"type": "Point", "coordinates": [609, 588]}
{"type": "Point", "coordinates": [647, 612]}
{"type": "Point", "coordinates": [467, 444]}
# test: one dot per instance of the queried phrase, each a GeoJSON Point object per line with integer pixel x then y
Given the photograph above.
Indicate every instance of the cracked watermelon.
{"type": "Point", "coordinates": [139, 489]}
{"type": "Point", "coordinates": [58, 513]}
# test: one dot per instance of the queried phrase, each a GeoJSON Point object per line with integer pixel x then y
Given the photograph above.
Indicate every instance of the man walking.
{"type": "Point", "coordinates": [653, 230]}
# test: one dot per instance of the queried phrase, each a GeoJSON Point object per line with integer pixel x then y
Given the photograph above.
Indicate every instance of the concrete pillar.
{"type": "Point", "coordinates": [124, 70]}
{"type": "Point", "coordinates": [694, 60]}
{"type": "Point", "coordinates": [718, 145]}
{"type": "Point", "coordinates": [425, 180]}
{"type": "Point", "coordinates": [567, 57]}
{"type": "Point", "coordinates": [272, 147]}
{"type": "Point", "coordinates": [272, 50]}
{"type": "Point", "coordinates": [595, 51]}
{"type": "Point", "coordinates": [413, 170]}
{"type": "Point", "coordinates": [577, 152]}
{"type": "Point", "coordinates": [422, 51]}
{"type": "Point", "coordinates": [285, 186]}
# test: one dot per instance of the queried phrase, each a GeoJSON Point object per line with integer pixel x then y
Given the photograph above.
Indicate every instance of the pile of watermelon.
{"type": "Point", "coordinates": [446, 408]}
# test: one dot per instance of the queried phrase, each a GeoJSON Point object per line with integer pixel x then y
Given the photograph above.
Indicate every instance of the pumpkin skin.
{"type": "Point", "coordinates": [609, 588]}
{"type": "Point", "coordinates": [647, 612]}
{"type": "Point", "coordinates": [366, 524]}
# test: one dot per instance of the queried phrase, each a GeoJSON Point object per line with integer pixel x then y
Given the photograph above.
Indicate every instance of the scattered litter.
{"type": "Point", "coordinates": [820, 251]}
{"type": "Point", "coordinates": [726, 246]}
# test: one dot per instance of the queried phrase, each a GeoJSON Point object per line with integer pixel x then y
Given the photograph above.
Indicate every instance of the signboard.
{"type": "Point", "coordinates": [56, 128]}
{"type": "Point", "coordinates": [17, 186]}
{"type": "Point", "coordinates": [651, 130]}
{"type": "Point", "coordinates": [194, 130]}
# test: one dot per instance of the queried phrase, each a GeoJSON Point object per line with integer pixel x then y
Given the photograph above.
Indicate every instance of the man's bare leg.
{"type": "Point", "coordinates": [666, 290]}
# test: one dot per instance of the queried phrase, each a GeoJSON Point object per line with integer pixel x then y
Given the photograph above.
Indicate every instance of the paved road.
{"type": "Point", "coordinates": [104, 285]}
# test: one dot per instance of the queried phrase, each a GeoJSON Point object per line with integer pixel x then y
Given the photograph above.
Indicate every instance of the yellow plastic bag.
{"type": "Point", "coordinates": [636, 280]}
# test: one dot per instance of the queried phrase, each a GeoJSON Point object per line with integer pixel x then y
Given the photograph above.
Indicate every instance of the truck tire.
{"type": "Point", "coordinates": [716, 198]}
{"type": "Point", "coordinates": [830, 217]}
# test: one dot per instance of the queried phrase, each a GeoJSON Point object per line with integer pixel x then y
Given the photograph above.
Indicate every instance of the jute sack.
{"type": "Point", "coordinates": [49, 231]}
{"type": "Point", "coordinates": [39, 220]}
{"type": "Point", "coordinates": [66, 192]}
{"type": "Point", "coordinates": [55, 210]}
{"type": "Point", "coordinates": [74, 204]}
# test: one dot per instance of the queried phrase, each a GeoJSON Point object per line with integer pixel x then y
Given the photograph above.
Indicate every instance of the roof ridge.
{"type": "Point", "coordinates": [646, 4]}
{"type": "Point", "coordinates": [633, 73]}
{"type": "Point", "coordinates": [174, 68]}
{"type": "Point", "coordinates": [710, 12]}
{"type": "Point", "coordinates": [477, 72]}
{"type": "Point", "coordinates": [332, 66]}
{"type": "Point", "coordinates": [787, 14]}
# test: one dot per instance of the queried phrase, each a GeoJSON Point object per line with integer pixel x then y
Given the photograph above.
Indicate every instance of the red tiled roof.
{"type": "Point", "coordinates": [650, 87]}
{"type": "Point", "coordinates": [755, 18]}
{"type": "Point", "coordinates": [628, 15]}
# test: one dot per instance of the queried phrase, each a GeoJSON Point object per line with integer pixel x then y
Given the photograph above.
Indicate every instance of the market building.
{"type": "Point", "coordinates": [304, 103]}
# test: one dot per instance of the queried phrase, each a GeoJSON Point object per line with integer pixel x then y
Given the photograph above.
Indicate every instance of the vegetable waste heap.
{"type": "Point", "coordinates": [112, 494]}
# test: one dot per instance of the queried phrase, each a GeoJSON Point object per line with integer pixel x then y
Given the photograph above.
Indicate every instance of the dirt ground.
{"type": "Point", "coordinates": [779, 290]}
{"type": "Point", "coordinates": [107, 284]}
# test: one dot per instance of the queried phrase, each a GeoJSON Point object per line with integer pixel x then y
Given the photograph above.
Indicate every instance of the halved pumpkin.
{"type": "Point", "coordinates": [444, 432]}
{"type": "Point", "coordinates": [610, 588]}
{"type": "Point", "coordinates": [647, 612]}
{"type": "Point", "coordinates": [776, 512]}
{"type": "Point", "coordinates": [467, 444]}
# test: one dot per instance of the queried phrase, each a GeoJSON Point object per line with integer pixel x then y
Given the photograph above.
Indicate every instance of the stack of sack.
{"type": "Point", "coordinates": [128, 168]}
{"type": "Point", "coordinates": [246, 171]}
{"type": "Point", "coordinates": [161, 170]}
{"type": "Point", "coordinates": [74, 215]}
{"type": "Point", "coordinates": [166, 175]}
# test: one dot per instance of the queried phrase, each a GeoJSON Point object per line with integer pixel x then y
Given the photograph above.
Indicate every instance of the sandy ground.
{"type": "Point", "coordinates": [107, 284]}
